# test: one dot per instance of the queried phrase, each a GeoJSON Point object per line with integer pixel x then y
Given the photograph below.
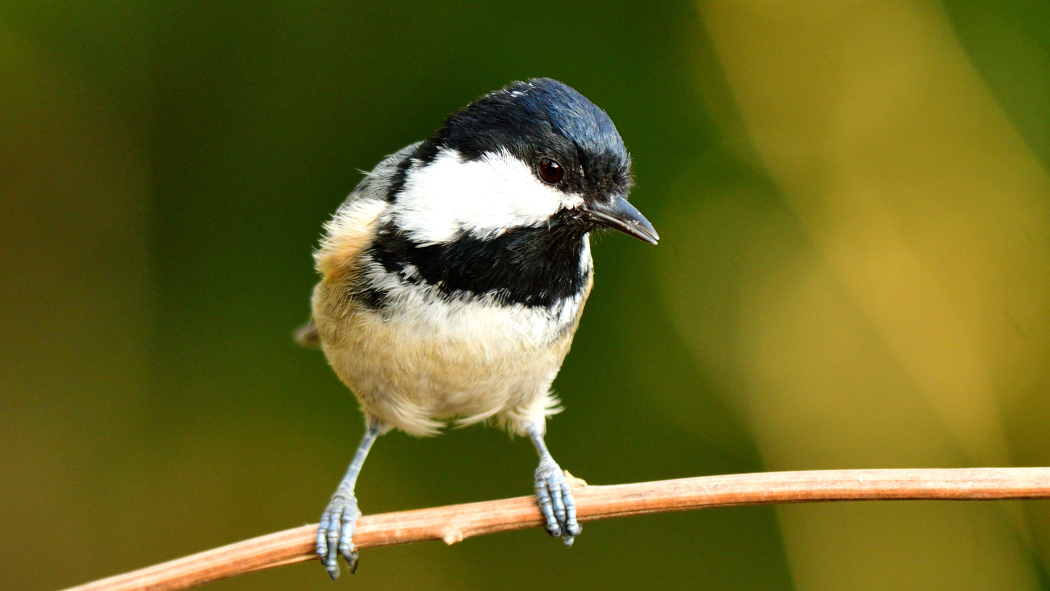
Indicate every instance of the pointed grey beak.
{"type": "Point", "coordinates": [621, 215]}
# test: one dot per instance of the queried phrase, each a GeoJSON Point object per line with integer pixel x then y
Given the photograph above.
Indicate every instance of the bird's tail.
{"type": "Point", "coordinates": [306, 335]}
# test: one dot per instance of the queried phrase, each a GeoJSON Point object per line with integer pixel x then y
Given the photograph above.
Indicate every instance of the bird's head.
{"type": "Point", "coordinates": [534, 154]}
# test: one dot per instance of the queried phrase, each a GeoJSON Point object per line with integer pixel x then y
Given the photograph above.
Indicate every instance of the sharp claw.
{"type": "Point", "coordinates": [332, 566]}
{"type": "Point", "coordinates": [543, 499]}
{"type": "Point", "coordinates": [572, 527]}
{"type": "Point", "coordinates": [556, 502]}
{"type": "Point", "coordinates": [346, 543]}
{"type": "Point", "coordinates": [552, 527]}
{"type": "Point", "coordinates": [333, 550]}
{"type": "Point", "coordinates": [331, 563]}
{"type": "Point", "coordinates": [335, 535]}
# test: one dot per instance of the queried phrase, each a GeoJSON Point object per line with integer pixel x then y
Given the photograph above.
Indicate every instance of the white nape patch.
{"type": "Point", "coordinates": [486, 197]}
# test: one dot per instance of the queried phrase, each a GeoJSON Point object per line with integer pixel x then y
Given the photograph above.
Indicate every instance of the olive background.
{"type": "Point", "coordinates": [854, 205]}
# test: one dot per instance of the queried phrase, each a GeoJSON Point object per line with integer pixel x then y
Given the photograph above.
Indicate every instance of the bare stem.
{"type": "Point", "coordinates": [457, 522]}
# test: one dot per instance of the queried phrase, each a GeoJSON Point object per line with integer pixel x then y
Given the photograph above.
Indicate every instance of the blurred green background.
{"type": "Point", "coordinates": [854, 202]}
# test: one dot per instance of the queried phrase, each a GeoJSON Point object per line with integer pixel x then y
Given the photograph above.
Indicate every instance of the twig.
{"type": "Point", "coordinates": [457, 522]}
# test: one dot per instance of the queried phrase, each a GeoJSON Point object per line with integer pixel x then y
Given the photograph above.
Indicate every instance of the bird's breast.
{"type": "Point", "coordinates": [424, 357]}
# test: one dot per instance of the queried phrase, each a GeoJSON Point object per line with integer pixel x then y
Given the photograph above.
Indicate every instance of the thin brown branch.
{"type": "Point", "coordinates": [457, 522]}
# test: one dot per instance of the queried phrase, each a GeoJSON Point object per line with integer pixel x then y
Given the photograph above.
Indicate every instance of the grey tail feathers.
{"type": "Point", "coordinates": [306, 336]}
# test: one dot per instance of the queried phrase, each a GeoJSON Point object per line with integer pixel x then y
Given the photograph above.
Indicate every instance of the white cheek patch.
{"type": "Point", "coordinates": [485, 197]}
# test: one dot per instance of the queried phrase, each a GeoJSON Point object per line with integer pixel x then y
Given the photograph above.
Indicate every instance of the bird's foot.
{"type": "Point", "coordinates": [336, 532]}
{"type": "Point", "coordinates": [557, 504]}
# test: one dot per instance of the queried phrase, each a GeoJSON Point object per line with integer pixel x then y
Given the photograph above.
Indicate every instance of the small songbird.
{"type": "Point", "coordinates": [454, 276]}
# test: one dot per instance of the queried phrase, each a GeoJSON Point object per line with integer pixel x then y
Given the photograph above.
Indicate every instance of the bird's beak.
{"type": "Point", "coordinates": [621, 215]}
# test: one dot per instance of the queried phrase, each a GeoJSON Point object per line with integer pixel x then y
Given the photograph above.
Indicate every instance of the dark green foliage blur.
{"type": "Point", "coordinates": [165, 168]}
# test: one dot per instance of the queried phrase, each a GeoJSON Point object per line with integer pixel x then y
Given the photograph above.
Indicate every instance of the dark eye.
{"type": "Point", "coordinates": [551, 171]}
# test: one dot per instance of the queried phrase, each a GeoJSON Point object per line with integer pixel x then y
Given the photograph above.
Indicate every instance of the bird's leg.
{"type": "Point", "coordinates": [336, 532]}
{"type": "Point", "coordinates": [553, 492]}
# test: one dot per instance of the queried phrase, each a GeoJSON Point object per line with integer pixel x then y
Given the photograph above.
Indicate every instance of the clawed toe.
{"type": "Point", "coordinates": [336, 532]}
{"type": "Point", "coordinates": [556, 502]}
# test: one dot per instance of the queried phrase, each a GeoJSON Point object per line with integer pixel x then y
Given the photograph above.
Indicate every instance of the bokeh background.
{"type": "Point", "coordinates": [854, 202]}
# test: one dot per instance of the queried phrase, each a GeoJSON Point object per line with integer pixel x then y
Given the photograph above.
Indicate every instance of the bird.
{"type": "Point", "coordinates": [453, 277]}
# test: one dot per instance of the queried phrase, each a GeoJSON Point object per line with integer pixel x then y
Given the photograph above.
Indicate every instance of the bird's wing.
{"type": "Point", "coordinates": [351, 229]}
{"type": "Point", "coordinates": [353, 226]}
{"type": "Point", "coordinates": [377, 182]}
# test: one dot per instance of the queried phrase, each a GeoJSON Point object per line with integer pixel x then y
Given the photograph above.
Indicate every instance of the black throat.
{"type": "Point", "coordinates": [531, 266]}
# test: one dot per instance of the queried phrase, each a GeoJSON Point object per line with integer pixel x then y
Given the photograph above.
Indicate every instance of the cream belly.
{"type": "Point", "coordinates": [432, 360]}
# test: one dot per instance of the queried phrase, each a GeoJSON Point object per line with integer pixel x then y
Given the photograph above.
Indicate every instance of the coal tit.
{"type": "Point", "coordinates": [454, 276]}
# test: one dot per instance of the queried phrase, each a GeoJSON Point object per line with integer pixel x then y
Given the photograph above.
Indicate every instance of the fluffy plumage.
{"type": "Point", "coordinates": [469, 328]}
{"type": "Point", "coordinates": [455, 274]}
{"type": "Point", "coordinates": [453, 277]}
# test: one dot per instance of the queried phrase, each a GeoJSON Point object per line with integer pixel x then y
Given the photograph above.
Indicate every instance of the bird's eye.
{"type": "Point", "coordinates": [551, 171]}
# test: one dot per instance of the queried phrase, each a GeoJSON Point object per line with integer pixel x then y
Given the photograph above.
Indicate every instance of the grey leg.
{"type": "Point", "coordinates": [336, 531]}
{"type": "Point", "coordinates": [553, 492]}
